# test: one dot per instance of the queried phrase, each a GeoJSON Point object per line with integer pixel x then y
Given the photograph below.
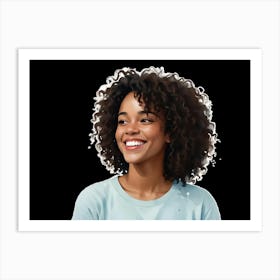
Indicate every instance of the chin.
{"type": "Point", "coordinates": [133, 161]}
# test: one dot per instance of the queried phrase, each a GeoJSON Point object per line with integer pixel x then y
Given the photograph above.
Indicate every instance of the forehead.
{"type": "Point", "coordinates": [131, 105]}
{"type": "Point", "coordinates": [130, 100]}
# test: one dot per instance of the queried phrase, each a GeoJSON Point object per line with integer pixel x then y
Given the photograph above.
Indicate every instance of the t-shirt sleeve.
{"type": "Point", "coordinates": [210, 209]}
{"type": "Point", "coordinates": [86, 206]}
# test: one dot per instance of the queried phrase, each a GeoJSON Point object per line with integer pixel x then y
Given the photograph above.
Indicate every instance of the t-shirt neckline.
{"type": "Point", "coordinates": [140, 202]}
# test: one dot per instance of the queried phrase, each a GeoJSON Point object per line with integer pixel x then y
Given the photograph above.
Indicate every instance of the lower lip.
{"type": "Point", "coordinates": [133, 148]}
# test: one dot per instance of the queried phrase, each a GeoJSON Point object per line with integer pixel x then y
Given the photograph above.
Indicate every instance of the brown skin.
{"type": "Point", "coordinates": [142, 141]}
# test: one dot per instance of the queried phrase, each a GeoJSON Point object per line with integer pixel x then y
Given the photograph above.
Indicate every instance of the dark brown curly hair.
{"type": "Point", "coordinates": [187, 111]}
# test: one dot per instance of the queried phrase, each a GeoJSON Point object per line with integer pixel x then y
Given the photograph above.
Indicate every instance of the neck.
{"type": "Point", "coordinates": [145, 183]}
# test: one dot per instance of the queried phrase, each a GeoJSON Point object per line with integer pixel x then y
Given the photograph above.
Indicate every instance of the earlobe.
{"type": "Point", "coordinates": [167, 138]}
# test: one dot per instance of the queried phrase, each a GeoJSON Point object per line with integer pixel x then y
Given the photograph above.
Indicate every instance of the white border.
{"type": "Point", "coordinates": [254, 55]}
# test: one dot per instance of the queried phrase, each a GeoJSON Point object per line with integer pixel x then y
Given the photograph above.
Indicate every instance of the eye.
{"type": "Point", "coordinates": [122, 122]}
{"type": "Point", "coordinates": [147, 120]}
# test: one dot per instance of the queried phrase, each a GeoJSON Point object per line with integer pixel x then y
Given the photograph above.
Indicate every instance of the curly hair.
{"type": "Point", "coordinates": [188, 121]}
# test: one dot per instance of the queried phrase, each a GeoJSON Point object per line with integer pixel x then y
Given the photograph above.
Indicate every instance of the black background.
{"type": "Point", "coordinates": [61, 102]}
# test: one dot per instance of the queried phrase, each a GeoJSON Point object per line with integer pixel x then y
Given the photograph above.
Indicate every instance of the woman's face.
{"type": "Point", "coordinates": [140, 136]}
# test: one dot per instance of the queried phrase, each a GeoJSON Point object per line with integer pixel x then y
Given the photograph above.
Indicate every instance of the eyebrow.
{"type": "Point", "coordinates": [139, 113]}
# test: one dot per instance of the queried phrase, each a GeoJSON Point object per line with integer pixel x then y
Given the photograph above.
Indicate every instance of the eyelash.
{"type": "Point", "coordinates": [147, 121]}
{"type": "Point", "coordinates": [122, 122]}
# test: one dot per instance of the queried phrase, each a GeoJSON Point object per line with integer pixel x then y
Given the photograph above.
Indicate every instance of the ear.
{"type": "Point", "coordinates": [167, 138]}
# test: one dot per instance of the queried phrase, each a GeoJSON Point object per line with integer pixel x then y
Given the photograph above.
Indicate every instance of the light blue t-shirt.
{"type": "Point", "coordinates": [107, 200]}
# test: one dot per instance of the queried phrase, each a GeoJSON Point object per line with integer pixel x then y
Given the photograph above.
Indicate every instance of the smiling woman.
{"type": "Point", "coordinates": [154, 131]}
{"type": "Point", "coordinates": [140, 135]}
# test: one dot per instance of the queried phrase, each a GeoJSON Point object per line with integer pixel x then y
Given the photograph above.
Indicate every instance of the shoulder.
{"type": "Point", "coordinates": [194, 192]}
{"type": "Point", "coordinates": [98, 189]}
{"type": "Point", "coordinates": [201, 198]}
{"type": "Point", "coordinates": [90, 202]}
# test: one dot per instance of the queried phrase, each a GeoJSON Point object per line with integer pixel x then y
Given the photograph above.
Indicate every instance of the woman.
{"type": "Point", "coordinates": [154, 131]}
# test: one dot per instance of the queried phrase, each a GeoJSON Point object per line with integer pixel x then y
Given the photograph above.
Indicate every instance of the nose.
{"type": "Point", "coordinates": [132, 128]}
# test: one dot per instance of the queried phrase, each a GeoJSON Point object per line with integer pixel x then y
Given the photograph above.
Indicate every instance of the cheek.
{"type": "Point", "coordinates": [118, 138]}
{"type": "Point", "coordinates": [160, 136]}
{"type": "Point", "coordinates": [155, 133]}
{"type": "Point", "coordinates": [118, 134]}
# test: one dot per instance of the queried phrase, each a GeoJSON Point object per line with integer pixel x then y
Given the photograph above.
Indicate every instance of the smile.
{"type": "Point", "coordinates": [134, 143]}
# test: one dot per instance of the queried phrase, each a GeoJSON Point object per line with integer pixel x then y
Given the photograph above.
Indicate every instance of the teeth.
{"type": "Point", "coordinates": [133, 143]}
